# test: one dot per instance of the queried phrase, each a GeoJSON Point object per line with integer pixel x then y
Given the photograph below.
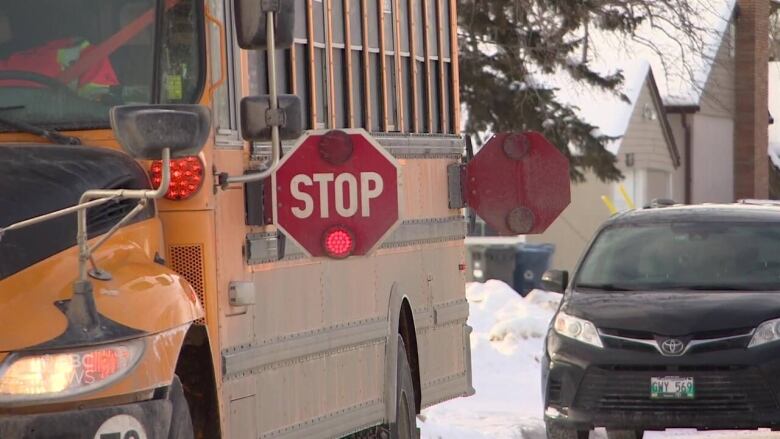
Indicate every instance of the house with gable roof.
{"type": "Point", "coordinates": [645, 149]}
{"type": "Point", "coordinates": [697, 83]}
{"type": "Point", "coordinates": [677, 135]}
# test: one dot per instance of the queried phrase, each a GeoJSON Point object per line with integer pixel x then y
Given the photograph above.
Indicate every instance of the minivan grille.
{"type": "Point", "coordinates": [732, 389]}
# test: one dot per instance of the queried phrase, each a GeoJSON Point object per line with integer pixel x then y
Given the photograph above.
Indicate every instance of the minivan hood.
{"type": "Point", "coordinates": [674, 313]}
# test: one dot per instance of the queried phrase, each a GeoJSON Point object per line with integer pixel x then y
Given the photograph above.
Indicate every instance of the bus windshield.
{"type": "Point", "coordinates": [709, 256]}
{"type": "Point", "coordinates": [65, 63]}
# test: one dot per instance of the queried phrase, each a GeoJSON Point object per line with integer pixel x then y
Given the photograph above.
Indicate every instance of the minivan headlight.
{"type": "Point", "coordinates": [66, 373]}
{"type": "Point", "coordinates": [577, 329]}
{"type": "Point", "coordinates": [766, 332]}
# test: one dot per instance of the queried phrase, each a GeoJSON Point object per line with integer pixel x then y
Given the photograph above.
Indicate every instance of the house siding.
{"type": "Point", "coordinates": [679, 182]}
{"type": "Point", "coordinates": [572, 231]}
{"type": "Point", "coordinates": [645, 136]}
{"type": "Point", "coordinates": [718, 97]}
{"type": "Point", "coordinates": [713, 159]}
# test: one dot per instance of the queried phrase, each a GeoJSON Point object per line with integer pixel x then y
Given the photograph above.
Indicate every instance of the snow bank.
{"type": "Point", "coordinates": [506, 351]}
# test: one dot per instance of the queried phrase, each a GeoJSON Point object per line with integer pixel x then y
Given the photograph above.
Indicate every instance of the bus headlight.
{"type": "Point", "coordinates": [66, 373]}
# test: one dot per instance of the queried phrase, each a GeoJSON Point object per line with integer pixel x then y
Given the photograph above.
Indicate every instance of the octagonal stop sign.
{"type": "Point", "coordinates": [336, 193]}
{"type": "Point", "coordinates": [518, 183]}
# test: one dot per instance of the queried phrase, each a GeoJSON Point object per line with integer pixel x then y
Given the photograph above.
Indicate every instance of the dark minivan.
{"type": "Point", "coordinates": [672, 320]}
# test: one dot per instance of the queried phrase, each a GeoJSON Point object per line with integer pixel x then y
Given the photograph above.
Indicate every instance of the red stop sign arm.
{"type": "Point", "coordinates": [518, 183]}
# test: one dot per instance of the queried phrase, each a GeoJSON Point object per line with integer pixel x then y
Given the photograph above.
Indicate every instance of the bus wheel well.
{"type": "Point", "coordinates": [409, 335]}
{"type": "Point", "coordinates": [195, 369]}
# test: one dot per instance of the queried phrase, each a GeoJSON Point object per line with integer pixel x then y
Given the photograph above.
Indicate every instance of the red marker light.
{"type": "Point", "coordinates": [186, 177]}
{"type": "Point", "coordinates": [336, 147]}
{"type": "Point", "coordinates": [339, 242]}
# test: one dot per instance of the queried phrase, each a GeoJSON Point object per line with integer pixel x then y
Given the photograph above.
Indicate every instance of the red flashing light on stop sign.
{"type": "Point", "coordinates": [339, 242]}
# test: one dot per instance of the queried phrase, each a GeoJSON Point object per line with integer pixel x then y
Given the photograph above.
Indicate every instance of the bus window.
{"type": "Point", "coordinates": [385, 66]}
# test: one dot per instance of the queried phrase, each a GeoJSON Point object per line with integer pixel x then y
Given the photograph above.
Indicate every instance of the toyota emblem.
{"type": "Point", "coordinates": [672, 346]}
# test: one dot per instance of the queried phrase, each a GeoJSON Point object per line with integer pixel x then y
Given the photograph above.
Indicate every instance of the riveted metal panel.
{"type": "Point", "coordinates": [263, 247]}
{"type": "Point", "coordinates": [322, 397]}
{"type": "Point", "coordinates": [441, 353]}
{"type": "Point", "coordinates": [243, 419]}
{"type": "Point", "coordinates": [408, 146]}
{"type": "Point", "coordinates": [455, 311]}
{"type": "Point", "coordinates": [240, 360]}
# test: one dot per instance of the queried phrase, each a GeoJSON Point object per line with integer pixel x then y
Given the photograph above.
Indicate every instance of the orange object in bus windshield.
{"type": "Point", "coordinates": [49, 60]}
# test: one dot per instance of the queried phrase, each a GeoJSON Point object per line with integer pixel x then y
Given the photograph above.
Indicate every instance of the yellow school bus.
{"type": "Point", "coordinates": [145, 290]}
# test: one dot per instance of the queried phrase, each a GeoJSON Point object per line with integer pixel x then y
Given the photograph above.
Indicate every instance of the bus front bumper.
{"type": "Point", "coordinates": [118, 422]}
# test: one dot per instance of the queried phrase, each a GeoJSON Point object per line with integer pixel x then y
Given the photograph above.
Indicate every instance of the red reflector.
{"type": "Point", "coordinates": [186, 177]}
{"type": "Point", "coordinates": [339, 242]}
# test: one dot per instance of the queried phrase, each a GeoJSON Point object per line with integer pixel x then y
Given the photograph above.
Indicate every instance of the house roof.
{"type": "Point", "coordinates": [684, 68]}
{"type": "Point", "coordinates": [607, 111]}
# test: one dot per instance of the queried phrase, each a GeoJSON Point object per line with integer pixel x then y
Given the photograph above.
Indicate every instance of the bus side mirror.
{"type": "Point", "coordinates": [257, 118]}
{"type": "Point", "coordinates": [252, 21]}
{"type": "Point", "coordinates": [555, 281]}
{"type": "Point", "coordinates": [145, 130]}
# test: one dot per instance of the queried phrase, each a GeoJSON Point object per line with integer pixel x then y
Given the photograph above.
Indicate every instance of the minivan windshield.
{"type": "Point", "coordinates": [710, 256]}
{"type": "Point", "coordinates": [65, 63]}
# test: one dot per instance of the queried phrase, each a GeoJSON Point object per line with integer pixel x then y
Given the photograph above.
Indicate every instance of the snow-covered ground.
{"type": "Point", "coordinates": [506, 348]}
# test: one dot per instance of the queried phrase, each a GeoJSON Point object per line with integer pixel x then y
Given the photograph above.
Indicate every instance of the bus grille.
{"type": "Point", "coordinates": [187, 260]}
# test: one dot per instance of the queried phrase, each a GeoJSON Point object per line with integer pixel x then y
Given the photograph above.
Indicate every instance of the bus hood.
{"type": "Point", "coordinates": [36, 179]}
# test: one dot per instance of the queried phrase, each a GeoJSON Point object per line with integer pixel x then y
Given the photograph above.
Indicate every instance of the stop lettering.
{"type": "Point", "coordinates": [336, 194]}
{"type": "Point", "coordinates": [349, 194]}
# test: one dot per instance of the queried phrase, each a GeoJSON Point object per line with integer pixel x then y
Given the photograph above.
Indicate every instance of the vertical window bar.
{"type": "Point", "coordinates": [414, 125]}
{"type": "Point", "coordinates": [455, 63]}
{"type": "Point", "coordinates": [366, 68]}
{"type": "Point", "coordinates": [399, 90]}
{"type": "Point", "coordinates": [444, 112]}
{"type": "Point", "coordinates": [428, 80]}
{"type": "Point", "coordinates": [331, 93]}
{"type": "Point", "coordinates": [293, 71]}
{"type": "Point", "coordinates": [348, 62]}
{"type": "Point", "coordinates": [312, 70]}
{"type": "Point", "coordinates": [383, 64]}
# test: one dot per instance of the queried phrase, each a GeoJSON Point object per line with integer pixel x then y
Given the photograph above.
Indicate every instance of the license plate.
{"type": "Point", "coordinates": [672, 388]}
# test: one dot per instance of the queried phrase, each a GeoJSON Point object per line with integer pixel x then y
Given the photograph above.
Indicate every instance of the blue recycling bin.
{"type": "Point", "coordinates": [521, 266]}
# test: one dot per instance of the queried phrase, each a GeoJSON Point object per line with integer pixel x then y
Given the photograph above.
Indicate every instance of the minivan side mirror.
{"type": "Point", "coordinates": [145, 130]}
{"type": "Point", "coordinates": [555, 281]}
{"type": "Point", "coordinates": [252, 21]}
{"type": "Point", "coordinates": [257, 118]}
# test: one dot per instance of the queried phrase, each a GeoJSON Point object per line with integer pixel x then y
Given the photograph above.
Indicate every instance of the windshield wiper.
{"type": "Point", "coordinates": [51, 135]}
{"type": "Point", "coordinates": [605, 287]}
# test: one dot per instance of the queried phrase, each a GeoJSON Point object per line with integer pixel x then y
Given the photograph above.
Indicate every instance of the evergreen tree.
{"type": "Point", "coordinates": [507, 45]}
